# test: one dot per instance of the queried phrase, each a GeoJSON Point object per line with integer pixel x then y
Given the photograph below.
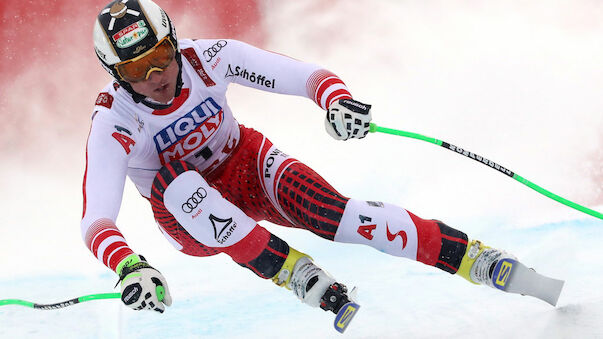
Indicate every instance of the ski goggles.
{"type": "Point", "coordinates": [140, 68]}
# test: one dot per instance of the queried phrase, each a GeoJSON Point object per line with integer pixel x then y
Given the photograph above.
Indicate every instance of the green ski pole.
{"type": "Point", "coordinates": [61, 304]}
{"type": "Point", "coordinates": [374, 128]}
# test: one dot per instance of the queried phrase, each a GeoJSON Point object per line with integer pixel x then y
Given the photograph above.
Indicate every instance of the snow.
{"type": "Point", "coordinates": [516, 82]}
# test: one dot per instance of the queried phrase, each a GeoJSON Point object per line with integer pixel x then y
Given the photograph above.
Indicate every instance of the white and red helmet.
{"type": "Point", "coordinates": [125, 29]}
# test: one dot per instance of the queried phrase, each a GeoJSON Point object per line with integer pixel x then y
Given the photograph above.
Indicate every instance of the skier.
{"type": "Point", "coordinates": [164, 122]}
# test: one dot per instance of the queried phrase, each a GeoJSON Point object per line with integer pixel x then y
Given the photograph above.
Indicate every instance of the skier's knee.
{"type": "Point", "coordinates": [198, 207]}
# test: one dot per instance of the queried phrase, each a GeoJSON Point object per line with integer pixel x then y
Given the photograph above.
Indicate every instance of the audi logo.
{"type": "Point", "coordinates": [194, 200]}
{"type": "Point", "coordinates": [211, 52]}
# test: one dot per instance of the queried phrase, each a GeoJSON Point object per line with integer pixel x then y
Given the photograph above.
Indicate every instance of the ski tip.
{"type": "Point", "coordinates": [556, 288]}
{"type": "Point", "coordinates": [511, 276]}
{"type": "Point", "coordinates": [345, 316]}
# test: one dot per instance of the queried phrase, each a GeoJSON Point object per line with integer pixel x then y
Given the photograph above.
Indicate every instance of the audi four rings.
{"type": "Point", "coordinates": [194, 200]}
{"type": "Point", "coordinates": [211, 52]}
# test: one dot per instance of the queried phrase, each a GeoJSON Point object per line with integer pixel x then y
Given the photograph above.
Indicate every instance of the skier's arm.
{"type": "Point", "coordinates": [104, 179]}
{"type": "Point", "coordinates": [108, 150]}
{"type": "Point", "coordinates": [250, 66]}
{"type": "Point", "coordinates": [254, 67]}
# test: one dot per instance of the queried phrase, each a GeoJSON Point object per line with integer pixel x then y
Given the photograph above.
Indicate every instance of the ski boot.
{"type": "Point", "coordinates": [498, 269]}
{"type": "Point", "coordinates": [317, 288]}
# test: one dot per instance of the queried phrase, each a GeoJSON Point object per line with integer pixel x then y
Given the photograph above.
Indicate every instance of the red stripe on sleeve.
{"type": "Point", "coordinates": [336, 95]}
{"type": "Point", "coordinates": [118, 256]}
{"type": "Point", "coordinates": [104, 234]}
{"type": "Point", "coordinates": [324, 86]}
{"type": "Point", "coordinates": [110, 249]}
{"type": "Point", "coordinates": [115, 251]}
{"type": "Point", "coordinates": [314, 80]}
{"type": "Point", "coordinates": [316, 86]}
{"type": "Point", "coordinates": [97, 227]}
{"type": "Point", "coordinates": [85, 175]}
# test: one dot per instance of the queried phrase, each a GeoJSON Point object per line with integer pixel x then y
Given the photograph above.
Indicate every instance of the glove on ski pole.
{"type": "Point", "coordinates": [348, 119]}
{"type": "Point", "coordinates": [142, 286]}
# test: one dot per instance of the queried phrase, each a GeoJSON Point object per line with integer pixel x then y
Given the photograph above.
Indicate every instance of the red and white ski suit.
{"type": "Point", "coordinates": [199, 132]}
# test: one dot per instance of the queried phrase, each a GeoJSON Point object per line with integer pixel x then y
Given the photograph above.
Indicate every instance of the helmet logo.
{"type": "Point", "coordinates": [140, 49]}
{"type": "Point", "coordinates": [131, 35]}
{"type": "Point", "coordinates": [118, 10]}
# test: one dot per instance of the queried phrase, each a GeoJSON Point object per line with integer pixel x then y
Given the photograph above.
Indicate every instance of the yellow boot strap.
{"type": "Point", "coordinates": [474, 249]}
{"type": "Point", "coordinates": [283, 276]}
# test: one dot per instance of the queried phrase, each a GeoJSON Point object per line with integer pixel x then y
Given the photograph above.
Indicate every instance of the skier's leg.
{"type": "Point", "coordinates": [269, 185]}
{"type": "Point", "coordinates": [310, 202]}
{"type": "Point", "coordinates": [199, 221]}
{"type": "Point", "coordinates": [306, 200]}
{"type": "Point", "coordinates": [398, 232]}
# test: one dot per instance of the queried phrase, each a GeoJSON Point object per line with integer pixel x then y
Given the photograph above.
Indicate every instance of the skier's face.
{"type": "Point", "coordinates": [161, 85]}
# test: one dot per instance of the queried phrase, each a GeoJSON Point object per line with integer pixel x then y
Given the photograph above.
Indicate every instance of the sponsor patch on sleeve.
{"type": "Point", "coordinates": [104, 99]}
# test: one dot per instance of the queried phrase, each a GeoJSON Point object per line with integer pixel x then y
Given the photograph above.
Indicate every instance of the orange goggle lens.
{"type": "Point", "coordinates": [140, 68]}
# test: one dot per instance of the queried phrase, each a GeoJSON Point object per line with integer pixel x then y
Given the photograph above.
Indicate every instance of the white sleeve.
{"type": "Point", "coordinates": [106, 167]}
{"type": "Point", "coordinates": [253, 67]}
{"type": "Point", "coordinates": [107, 153]}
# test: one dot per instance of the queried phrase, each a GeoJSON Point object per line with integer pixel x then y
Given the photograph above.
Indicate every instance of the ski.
{"type": "Point", "coordinates": [511, 276]}
{"type": "Point", "coordinates": [337, 300]}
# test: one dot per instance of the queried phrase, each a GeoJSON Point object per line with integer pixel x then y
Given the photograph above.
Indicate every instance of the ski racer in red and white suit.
{"type": "Point", "coordinates": [134, 140]}
{"type": "Point", "coordinates": [209, 179]}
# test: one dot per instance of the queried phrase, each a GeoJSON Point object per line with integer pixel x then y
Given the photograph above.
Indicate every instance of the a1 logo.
{"type": "Point", "coordinates": [366, 230]}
